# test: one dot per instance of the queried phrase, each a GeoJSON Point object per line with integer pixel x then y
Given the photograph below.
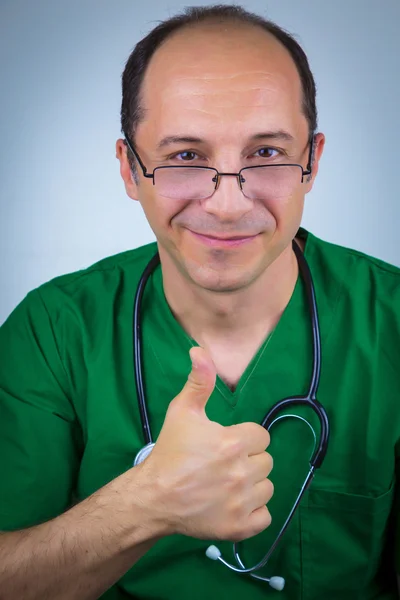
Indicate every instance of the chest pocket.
{"type": "Point", "coordinates": [343, 537]}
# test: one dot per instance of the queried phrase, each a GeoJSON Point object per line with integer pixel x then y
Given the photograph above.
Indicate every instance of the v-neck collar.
{"type": "Point", "coordinates": [287, 331]}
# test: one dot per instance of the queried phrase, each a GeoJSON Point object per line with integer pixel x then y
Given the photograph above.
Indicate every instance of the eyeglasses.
{"type": "Point", "coordinates": [261, 182]}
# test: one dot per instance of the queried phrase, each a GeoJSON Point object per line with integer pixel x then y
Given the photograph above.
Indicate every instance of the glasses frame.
{"type": "Point", "coordinates": [304, 172]}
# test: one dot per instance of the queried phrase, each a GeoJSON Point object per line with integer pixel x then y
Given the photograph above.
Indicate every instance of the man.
{"type": "Point", "coordinates": [214, 88]}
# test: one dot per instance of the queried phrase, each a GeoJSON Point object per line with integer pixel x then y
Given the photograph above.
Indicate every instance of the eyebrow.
{"type": "Point", "coordinates": [280, 134]}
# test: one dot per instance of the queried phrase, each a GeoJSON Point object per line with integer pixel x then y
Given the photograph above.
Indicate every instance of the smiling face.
{"type": "Point", "coordinates": [226, 98]}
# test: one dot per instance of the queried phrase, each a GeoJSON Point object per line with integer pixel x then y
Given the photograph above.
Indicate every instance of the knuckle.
{"type": "Point", "coordinates": [196, 384]}
{"type": "Point", "coordinates": [259, 433]}
{"type": "Point", "coordinates": [234, 511]}
{"type": "Point", "coordinates": [269, 490]}
{"type": "Point", "coordinates": [232, 447]}
{"type": "Point", "coordinates": [269, 463]}
{"type": "Point", "coordinates": [238, 476]}
{"type": "Point", "coordinates": [174, 405]}
{"type": "Point", "coordinates": [238, 529]}
{"type": "Point", "coordinates": [262, 522]}
{"type": "Point", "coordinates": [267, 438]}
{"type": "Point", "coordinates": [267, 520]}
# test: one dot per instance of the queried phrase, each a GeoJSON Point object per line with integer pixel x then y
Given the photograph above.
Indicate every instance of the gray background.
{"type": "Point", "coordinates": [62, 203]}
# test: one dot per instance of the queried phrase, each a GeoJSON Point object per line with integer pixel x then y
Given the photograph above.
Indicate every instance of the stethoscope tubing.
{"type": "Point", "coordinates": [270, 418]}
{"type": "Point", "coordinates": [137, 349]}
{"type": "Point", "coordinates": [309, 400]}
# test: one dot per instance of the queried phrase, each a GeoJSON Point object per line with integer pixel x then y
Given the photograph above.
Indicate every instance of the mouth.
{"type": "Point", "coordinates": [223, 241]}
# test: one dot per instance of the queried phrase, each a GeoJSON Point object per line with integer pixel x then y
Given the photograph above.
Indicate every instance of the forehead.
{"type": "Point", "coordinates": [217, 76]}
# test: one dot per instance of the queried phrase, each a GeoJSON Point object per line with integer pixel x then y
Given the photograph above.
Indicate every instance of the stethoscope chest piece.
{"type": "Point", "coordinates": [143, 454]}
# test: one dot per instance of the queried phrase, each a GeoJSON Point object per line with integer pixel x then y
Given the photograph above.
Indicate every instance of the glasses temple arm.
{"type": "Point", "coordinates": [135, 154]}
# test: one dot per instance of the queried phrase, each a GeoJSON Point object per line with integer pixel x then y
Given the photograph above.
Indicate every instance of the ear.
{"type": "Point", "coordinates": [319, 143]}
{"type": "Point", "coordinates": [131, 186]}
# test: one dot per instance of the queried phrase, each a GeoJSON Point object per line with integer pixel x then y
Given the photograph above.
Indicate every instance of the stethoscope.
{"type": "Point", "coordinates": [270, 418]}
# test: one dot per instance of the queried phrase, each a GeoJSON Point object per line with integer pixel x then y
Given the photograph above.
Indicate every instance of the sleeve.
{"type": "Point", "coordinates": [39, 432]}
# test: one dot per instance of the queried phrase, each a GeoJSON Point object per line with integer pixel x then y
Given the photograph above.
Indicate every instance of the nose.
{"type": "Point", "coordinates": [228, 203]}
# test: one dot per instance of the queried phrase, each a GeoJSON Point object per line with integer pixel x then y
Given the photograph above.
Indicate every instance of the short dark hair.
{"type": "Point", "coordinates": [135, 68]}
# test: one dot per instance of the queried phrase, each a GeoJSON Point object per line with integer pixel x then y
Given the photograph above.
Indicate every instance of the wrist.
{"type": "Point", "coordinates": [133, 503]}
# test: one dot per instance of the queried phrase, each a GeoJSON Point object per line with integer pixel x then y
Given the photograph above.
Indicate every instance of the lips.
{"type": "Point", "coordinates": [223, 241]}
{"type": "Point", "coordinates": [230, 238]}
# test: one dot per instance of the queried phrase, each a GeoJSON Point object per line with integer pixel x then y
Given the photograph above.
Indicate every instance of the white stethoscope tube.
{"type": "Point", "coordinates": [276, 582]}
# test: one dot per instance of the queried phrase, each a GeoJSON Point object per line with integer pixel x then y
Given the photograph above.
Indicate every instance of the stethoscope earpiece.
{"type": "Point", "coordinates": [213, 552]}
{"type": "Point", "coordinates": [276, 582]}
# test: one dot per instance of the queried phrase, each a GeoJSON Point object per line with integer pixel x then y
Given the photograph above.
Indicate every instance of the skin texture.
{"type": "Point", "coordinates": [223, 85]}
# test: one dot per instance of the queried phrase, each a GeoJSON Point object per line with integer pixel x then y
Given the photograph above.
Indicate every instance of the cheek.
{"type": "Point", "coordinates": [283, 208]}
{"type": "Point", "coordinates": [287, 213]}
{"type": "Point", "coordinates": [159, 211]}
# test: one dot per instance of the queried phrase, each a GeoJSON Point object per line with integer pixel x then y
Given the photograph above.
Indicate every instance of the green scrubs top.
{"type": "Point", "coordinates": [69, 422]}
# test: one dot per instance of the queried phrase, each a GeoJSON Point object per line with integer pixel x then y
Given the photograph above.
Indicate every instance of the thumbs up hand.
{"type": "Point", "coordinates": [208, 481]}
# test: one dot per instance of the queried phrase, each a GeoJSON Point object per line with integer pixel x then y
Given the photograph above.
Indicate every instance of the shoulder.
{"type": "Point", "coordinates": [129, 264]}
{"type": "Point", "coordinates": [368, 287]}
{"type": "Point", "coordinates": [351, 266]}
{"type": "Point", "coordinates": [94, 291]}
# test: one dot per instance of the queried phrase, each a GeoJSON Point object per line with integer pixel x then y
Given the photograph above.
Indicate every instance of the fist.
{"type": "Point", "coordinates": [208, 481]}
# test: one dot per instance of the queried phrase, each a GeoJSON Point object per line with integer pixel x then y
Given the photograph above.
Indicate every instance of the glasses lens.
{"type": "Point", "coordinates": [184, 183]}
{"type": "Point", "coordinates": [270, 182]}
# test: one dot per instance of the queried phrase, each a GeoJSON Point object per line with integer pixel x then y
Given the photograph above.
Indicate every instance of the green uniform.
{"type": "Point", "coordinates": [69, 422]}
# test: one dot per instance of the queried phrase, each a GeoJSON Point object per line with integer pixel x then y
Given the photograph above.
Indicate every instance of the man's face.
{"type": "Point", "coordinates": [224, 86]}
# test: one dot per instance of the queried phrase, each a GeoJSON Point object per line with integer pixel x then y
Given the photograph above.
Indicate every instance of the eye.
{"type": "Point", "coordinates": [185, 156]}
{"type": "Point", "coordinates": [267, 152]}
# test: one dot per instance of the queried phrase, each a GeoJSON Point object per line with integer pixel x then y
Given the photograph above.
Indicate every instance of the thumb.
{"type": "Point", "coordinates": [201, 380]}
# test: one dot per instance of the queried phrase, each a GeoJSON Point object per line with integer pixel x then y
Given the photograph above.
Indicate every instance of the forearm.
{"type": "Point", "coordinates": [79, 554]}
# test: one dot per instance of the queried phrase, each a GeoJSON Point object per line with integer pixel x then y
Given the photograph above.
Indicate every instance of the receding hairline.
{"type": "Point", "coordinates": [230, 24]}
{"type": "Point", "coordinates": [214, 23]}
{"type": "Point", "coordinates": [210, 22]}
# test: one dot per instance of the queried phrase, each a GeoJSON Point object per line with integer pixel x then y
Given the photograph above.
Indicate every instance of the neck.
{"type": "Point", "coordinates": [210, 316]}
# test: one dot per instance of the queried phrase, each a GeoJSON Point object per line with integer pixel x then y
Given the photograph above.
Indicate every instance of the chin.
{"type": "Point", "coordinates": [221, 279]}
{"type": "Point", "coordinates": [214, 269]}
